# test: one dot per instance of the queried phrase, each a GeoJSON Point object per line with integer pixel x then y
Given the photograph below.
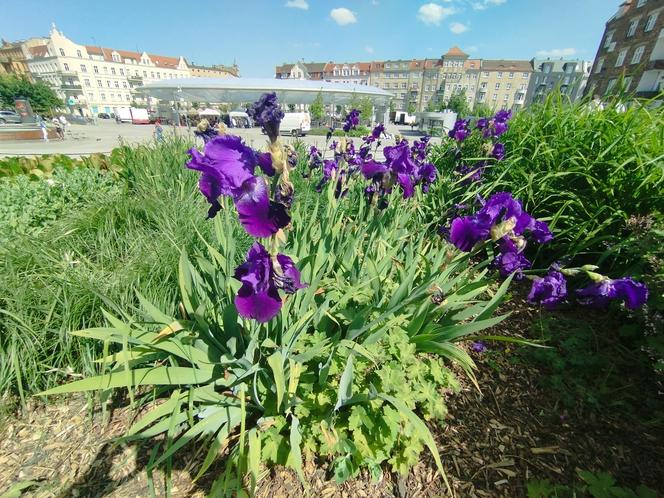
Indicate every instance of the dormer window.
{"type": "Point", "coordinates": [115, 57]}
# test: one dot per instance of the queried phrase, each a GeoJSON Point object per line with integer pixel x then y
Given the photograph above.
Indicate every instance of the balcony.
{"type": "Point", "coordinates": [135, 80]}
{"type": "Point", "coordinates": [76, 87]}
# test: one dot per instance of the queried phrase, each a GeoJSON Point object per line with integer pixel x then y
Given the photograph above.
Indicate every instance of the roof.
{"type": "Point", "coordinates": [289, 91]}
{"type": "Point", "coordinates": [39, 51]}
{"type": "Point", "coordinates": [507, 65]}
{"type": "Point", "coordinates": [455, 52]}
{"type": "Point", "coordinates": [312, 67]}
{"type": "Point", "coordinates": [158, 60]}
{"type": "Point", "coordinates": [472, 63]}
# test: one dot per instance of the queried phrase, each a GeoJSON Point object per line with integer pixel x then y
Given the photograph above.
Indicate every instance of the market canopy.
{"type": "Point", "coordinates": [289, 91]}
{"type": "Point", "coordinates": [209, 112]}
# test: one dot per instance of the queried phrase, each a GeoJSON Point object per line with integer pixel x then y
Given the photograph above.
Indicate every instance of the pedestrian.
{"type": "Point", "coordinates": [58, 128]}
{"type": "Point", "coordinates": [158, 131]}
{"type": "Point", "coordinates": [44, 130]}
{"type": "Point", "coordinates": [64, 123]}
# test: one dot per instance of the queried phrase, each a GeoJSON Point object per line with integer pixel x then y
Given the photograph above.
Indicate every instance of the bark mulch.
{"type": "Point", "coordinates": [494, 442]}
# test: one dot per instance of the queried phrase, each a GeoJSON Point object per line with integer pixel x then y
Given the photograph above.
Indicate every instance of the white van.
{"type": "Point", "coordinates": [295, 123]}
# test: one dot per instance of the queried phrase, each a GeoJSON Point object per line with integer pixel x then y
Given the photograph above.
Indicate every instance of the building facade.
{"type": "Point", "coordinates": [301, 71]}
{"type": "Point", "coordinates": [216, 71]}
{"type": "Point", "coordinates": [630, 51]}
{"type": "Point", "coordinates": [569, 76]}
{"type": "Point", "coordinates": [14, 56]}
{"type": "Point", "coordinates": [425, 84]}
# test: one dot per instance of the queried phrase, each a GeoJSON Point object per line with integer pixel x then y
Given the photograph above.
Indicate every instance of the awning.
{"type": "Point", "coordinates": [209, 112]}
{"type": "Point", "coordinates": [289, 91]}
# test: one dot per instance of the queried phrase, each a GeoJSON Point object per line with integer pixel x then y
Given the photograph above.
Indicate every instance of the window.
{"type": "Point", "coordinates": [99, 83]}
{"type": "Point", "coordinates": [84, 68]}
{"type": "Point", "coordinates": [524, 75]}
{"type": "Point", "coordinates": [497, 86]}
{"type": "Point", "coordinates": [103, 96]}
{"type": "Point", "coordinates": [506, 97]}
{"type": "Point", "coordinates": [638, 53]}
{"type": "Point", "coordinates": [124, 84]}
{"type": "Point", "coordinates": [87, 82]}
{"type": "Point", "coordinates": [485, 74]}
{"type": "Point", "coordinates": [482, 86]}
{"type": "Point", "coordinates": [95, 69]}
{"type": "Point", "coordinates": [152, 74]}
{"type": "Point", "coordinates": [117, 85]}
{"type": "Point", "coordinates": [78, 52]}
{"type": "Point", "coordinates": [610, 85]}
{"type": "Point", "coordinates": [494, 97]}
{"type": "Point", "coordinates": [650, 23]}
{"type": "Point", "coordinates": [158, 75]}
{"type": "Point", "coordinates": [62, 52]}
{"type": "Point", "coordinates": [500, 74]}
{"type": "Point", "coordinates": [547, 68]}
{"type": "Point", "coordinates": [627, 82]}
{"type": "Point", "coordinates": [509, 86]}
{"type": "Point", "coordinates": [105, 70]}
{"type": "Point", "coordinates": [66, 66]}
{"type": "Point", "coordinates": [632, 27]}
{"type": "Point", "coordinates": [91, 96]}
{"type": "Point", "coordinates": [403, 85]}
{"type": "Point", "coordinates": [609, 38]}
{"type": "Point", "coordinates": [113, 71]}
{"type": "Point", "coordinates": [122, 71]}
{"type": "Point", "coordinates": [116, 57]}
{"type": "Point", "coordinates": [621, 57]}
{"type": "Point", "coordinates": [108, 83]}
{"type": "Point", "coordinates": [511, 75]}
{"type": "Point", "coordinates": [641, 3]}
{"type": "Point", "coordinates": [145, 74]}
{"type": "Point", "coordinates": [600, 65]}
{"type": "Point", "coordinates": [387, 65]}
{"type": "Point", "coordinates": [127, 97]}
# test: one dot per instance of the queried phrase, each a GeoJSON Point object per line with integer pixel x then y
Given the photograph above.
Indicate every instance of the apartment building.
{"type": "Point", "coordinates": [216, 71]}
{"type": "Point", "coordinates": [569, 76]}
{"type": "Point", "coordinates": [503, 84]}
{"type": "Point", "coordinates": [301, 71]}
{"type": "Point", "coordinates": [347, 72]}
{"type": "Point", "coordinates": [631, 50]}
{"type": "Point", "coordinates": [98, 79]}
{"type": "Point", "coordinates": [14, 56]}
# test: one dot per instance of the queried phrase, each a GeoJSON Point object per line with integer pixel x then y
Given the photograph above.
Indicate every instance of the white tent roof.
{"type": "Point", "coordinates": [289, 91]}
{"type": "Point", "coordinates": [209, 112]}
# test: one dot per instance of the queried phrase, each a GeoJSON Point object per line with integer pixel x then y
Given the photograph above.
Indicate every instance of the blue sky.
{"type": "Point", "coordinates": [259, 34]}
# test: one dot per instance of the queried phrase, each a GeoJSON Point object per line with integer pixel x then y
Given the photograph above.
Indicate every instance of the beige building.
{"type": "Point", "coordinates": [217, 71]}
{"type": "Point", "coordinates": [503, 84]}
{"type": "Point", "coordinates": [14, 56]}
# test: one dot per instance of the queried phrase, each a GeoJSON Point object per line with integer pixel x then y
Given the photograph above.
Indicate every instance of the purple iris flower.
{"type": "Point", "coordinates": [260, 216]}
{"type": "Point", "coordinates": [472, 173]}
{"type": "Point", "coordinates": [548, 291]}
{"type": "Point", "coordinates": [633, 294]}
{"type": "Point", "coordinates": [264, 160]}
{"type": "Point", "coordinates": [499, 128]}
{"type": "Point", "coordinates": [478, 346]}
{"type": "Point", "coordinates": [227, 168]}
{"type": "Point", "coordinates": [498, 151]}
{"type": "Point", "coordinates": [510, 259]}
{"type": "Point", "coordinates": [460, 130]}
{"type": "Point", "coordinates": [352, 120]}
{"type": "Point", "coordinates": [262, 276]}
{"type": "Point", "coordinates": [467, 231]}
{"type": "Point", "coordinates": [426, 175]}
{"type": "Point", "coordinates": [378, 130]}
{"type": "Point", "coordinates": [208, 134]}
{"type": "Point", "coordinates": [267, 113]}
{"type": "Point", "coordinates": [329, 167]}
{"type": "Point", "coordinates": [482, 123]}
{"type": "Point", "coordinates": [503, 116]}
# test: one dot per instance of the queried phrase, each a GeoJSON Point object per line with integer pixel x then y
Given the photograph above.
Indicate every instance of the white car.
{"type": "Point", "coordinates": [295, 123]}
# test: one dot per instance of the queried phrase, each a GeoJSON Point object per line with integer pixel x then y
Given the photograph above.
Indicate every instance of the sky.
{"type": "Point", "coordinates": [260, 34]}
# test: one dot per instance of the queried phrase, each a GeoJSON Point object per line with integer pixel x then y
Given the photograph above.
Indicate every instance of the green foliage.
{"type": "Point", "coordinates": [593, 485]}
{"type": "Point", "coordinates": [411, 108]}
{"type": "Point", "coordinates": [41, 96]}
{"type": "Point", "coordinates": [341, 349]}
{"type": "Point", "coordinates": [27, 206]}
{"type": "Point", "coordinates": [317, 108]}
{"type": "Point", "coordinates": [366, 110]}
{"type": "Point", "coordinates": [458, 103]}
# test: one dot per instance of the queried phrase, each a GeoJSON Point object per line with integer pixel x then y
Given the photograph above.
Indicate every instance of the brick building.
{"type": "Point", "coordinates": [629, 49]}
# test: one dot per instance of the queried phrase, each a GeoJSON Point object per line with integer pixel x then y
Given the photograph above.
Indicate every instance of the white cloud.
{"type": "Point", "coordinates": [457, 28]}
{"type": "Point", "coordinates": [298, 4]}
{"type": "Point", "coordinates": [472, 49]}
{"type": "Point", "coordinates": [433, 14]}
{"type": "Point", "coordinates": [557, 52]}
{"type": "Point", "coordinates": [343, 16]}
{"type": "Point", "coordinates": [369, 49]}
{"type": "Point", "coordinates": [484, 4]}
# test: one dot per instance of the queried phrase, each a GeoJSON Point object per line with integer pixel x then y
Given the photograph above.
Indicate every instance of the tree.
{"type": "Point", "coordinates": [366, 110]}
{"type": "Point", "coordinates": [317, 108]}
{"type": "Point", "coordinates": [393, 106]}
{"type": "Point", "coordinates": [432, 106]}
{"type": "Point", "coordinates": [459, 103]}
{"type": "Point", "coordinates": [411, 108]}
{"type": "Point", "coordinates": [195, 105]}
{"type": "Point", "coordinates": [482, 110]}
{"type": "Point", "coordinates": [42, 98]}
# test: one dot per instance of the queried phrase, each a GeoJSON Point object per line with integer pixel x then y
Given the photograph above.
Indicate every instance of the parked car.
{"type": "Point", "coordinates": [295, 123]}
{"type": "Point", "coordinates": [76, 119]}
{"type": "Point", "coordinates": [9, 117]}
{"type": "Point", "coordinates": [103, 115]}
